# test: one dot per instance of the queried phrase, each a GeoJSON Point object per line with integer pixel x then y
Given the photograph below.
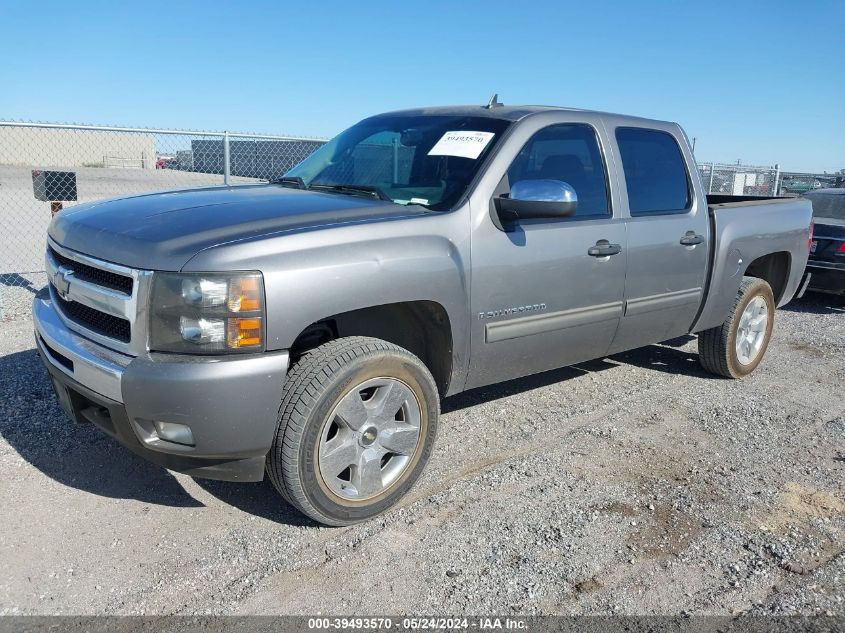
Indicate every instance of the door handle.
{"type": "Point", "coordinates": [603, 248]}
{"type": "Point", "coordinates": [691, 239]}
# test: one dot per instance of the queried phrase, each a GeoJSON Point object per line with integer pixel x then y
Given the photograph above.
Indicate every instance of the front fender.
{"type": "Point", "coordinates": [314, 275]}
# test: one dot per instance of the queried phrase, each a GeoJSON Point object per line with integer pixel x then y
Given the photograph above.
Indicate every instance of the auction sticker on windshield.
{"type": "Point", "coordinates": [463, 144]}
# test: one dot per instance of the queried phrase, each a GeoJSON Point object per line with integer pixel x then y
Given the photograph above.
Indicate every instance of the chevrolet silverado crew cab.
{"type": "Point", "coordinates": [306, 328]}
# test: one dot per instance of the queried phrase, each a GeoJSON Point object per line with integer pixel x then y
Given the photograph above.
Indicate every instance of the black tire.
{"type": "Point", "coordinates": [314, 386]}
{"type": "Point", "coordinates": [717, 346]}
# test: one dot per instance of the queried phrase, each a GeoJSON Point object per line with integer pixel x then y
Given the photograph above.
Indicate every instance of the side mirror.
{"type": "Point", "coordinates": [532, 199]}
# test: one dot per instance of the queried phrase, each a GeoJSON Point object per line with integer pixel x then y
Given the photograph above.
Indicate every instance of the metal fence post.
{"type": "Point", "coordinates": [776, 190]}
{"type": "Point", "coordinates": [710, 184]}
{"type": "Point", "coordinates": [226, 167]}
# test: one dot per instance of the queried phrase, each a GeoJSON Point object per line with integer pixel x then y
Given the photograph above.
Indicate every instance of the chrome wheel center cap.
{"type": "Point", "coordinates": [368, 436]}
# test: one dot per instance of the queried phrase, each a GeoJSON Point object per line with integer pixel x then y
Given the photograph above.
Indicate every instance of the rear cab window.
{"type": "Point", "coordinates": [655, 172]}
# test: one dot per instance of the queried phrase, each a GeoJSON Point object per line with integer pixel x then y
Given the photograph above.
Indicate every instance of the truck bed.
{"type": "Point", "coordinates": [752, 231]}
{"type": "Point", "coordinates": [722, 199]}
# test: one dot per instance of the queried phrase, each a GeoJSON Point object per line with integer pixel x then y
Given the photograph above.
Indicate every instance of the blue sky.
{"type": "Point", "coordinates": [757, 81]}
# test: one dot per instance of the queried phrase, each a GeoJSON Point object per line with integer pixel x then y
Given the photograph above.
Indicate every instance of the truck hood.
{"type": "Point", "coordinates": [162, 231]}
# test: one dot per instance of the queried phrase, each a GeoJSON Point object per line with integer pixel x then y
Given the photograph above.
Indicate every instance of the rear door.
{"type": "Point", "coordinates": [668, 235]}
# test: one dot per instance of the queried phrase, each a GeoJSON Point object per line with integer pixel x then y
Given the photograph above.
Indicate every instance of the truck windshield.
{"type": "Point", "coordinates": [412, 159]}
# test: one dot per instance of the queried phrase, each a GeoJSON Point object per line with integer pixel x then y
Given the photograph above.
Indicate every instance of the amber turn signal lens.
{"type": "Point", "coordinates": [244, 294]}
{"type": "Point", "coordinates": [244, 333]}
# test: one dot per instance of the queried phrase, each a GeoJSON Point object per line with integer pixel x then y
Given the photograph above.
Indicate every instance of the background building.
{"type": "Point", "coordinates": [47, 147]}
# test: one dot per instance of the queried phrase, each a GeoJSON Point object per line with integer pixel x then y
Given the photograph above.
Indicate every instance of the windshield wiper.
{"type": "Point", "coordinates": [296, 181]}
{"type": "Point", "coordinates": [375, 192]}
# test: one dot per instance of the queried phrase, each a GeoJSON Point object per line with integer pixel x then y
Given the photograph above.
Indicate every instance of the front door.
{"type": "Point", "coordinates": [539, 299]}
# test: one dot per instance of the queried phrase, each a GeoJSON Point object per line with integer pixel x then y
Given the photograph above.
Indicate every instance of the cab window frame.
{"type": "Point", "coordinates": [685, 210]}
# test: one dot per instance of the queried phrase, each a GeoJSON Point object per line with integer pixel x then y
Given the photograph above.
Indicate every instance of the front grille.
{"type": "Point", "coordinates": [94, 320]}
{"type": "Point", "coordinates": [97, 276]}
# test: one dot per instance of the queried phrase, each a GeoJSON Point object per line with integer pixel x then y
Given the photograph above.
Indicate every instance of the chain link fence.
{"type": "Point", "coordinates": [740, 180]}
{"type": "Point", "coordinates": [45, 167]}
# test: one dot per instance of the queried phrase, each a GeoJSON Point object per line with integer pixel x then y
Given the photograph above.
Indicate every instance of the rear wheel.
{"type": "Point", "coordinates": [356, 429]}
{"type": "Point", "coordinates": [735, 348]}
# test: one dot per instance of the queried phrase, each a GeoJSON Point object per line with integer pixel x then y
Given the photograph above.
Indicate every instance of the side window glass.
{"type": "Point", "coordinates": [655, 173]}
{"type": "Point", "coordinates": [568, 152]}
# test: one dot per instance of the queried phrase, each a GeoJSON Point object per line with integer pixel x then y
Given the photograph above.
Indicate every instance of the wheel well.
{"type": "Point", "coordinates": [421, 327]}
{"type": "Point", "coordinates": [774, 269]}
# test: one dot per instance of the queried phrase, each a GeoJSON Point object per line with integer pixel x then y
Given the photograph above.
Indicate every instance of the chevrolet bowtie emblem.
{"type": "Point", "coordinates": [61, 281]}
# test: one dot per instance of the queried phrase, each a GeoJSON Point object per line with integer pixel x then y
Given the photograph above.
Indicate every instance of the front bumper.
{"type": "Point", "coordinates": [231, 404]}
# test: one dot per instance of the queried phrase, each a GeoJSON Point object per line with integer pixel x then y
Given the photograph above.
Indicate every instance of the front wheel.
{"type": "Point", "coordinates": [356, 429]}
{"type": "Point", "coordinates": [735, 348]}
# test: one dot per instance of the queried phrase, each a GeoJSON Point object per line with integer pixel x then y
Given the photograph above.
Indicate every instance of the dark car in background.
{"type": "Point", "coordinates": [827, 250]}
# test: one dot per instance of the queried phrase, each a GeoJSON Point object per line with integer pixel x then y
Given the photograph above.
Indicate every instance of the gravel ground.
{"type": "Point", "coordinates": [636, 484]}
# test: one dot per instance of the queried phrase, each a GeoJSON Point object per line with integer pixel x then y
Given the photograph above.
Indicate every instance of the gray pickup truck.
{"type": "Point", "coordinates": [308, 327]}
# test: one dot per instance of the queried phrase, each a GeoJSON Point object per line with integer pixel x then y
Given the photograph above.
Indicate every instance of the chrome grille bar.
{"type": "Point", "coordinates": [68, 286]}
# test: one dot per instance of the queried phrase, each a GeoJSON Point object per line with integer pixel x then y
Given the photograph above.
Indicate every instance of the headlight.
{"type": "Point", "coordinates": [207, 313]}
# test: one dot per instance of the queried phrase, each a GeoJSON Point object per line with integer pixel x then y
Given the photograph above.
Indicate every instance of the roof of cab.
{"type": "Point", "coordinates": [505, 112]}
